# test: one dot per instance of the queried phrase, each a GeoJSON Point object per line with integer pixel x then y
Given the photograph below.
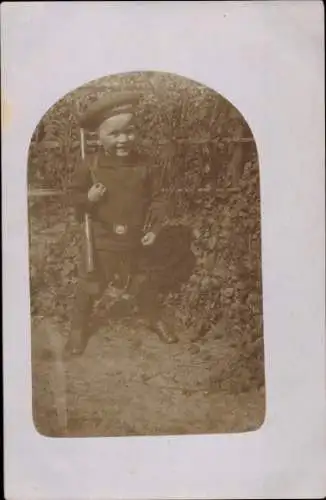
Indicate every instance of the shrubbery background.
{"type": "Point", "coordinates": [212, 180]}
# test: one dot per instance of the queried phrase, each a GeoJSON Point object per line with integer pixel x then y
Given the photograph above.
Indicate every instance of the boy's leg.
{"type": "Point", "coordinates": [89, 289]}
{"type": "Point", "coordinates": [150, 308]}
{"type": "Point", "coordinates": [79, 333]}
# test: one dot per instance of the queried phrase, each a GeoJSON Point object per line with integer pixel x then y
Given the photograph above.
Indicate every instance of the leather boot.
{"type": "Point", "coordinates": [166, 335]}
{"type": "Point", "coordinates": [151, 310]}
{"type": "Point", "coordinates": [77, 342]}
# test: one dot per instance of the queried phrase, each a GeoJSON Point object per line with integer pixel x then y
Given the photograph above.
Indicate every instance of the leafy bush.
{"type": "Point", "coordinates": [213, 183]}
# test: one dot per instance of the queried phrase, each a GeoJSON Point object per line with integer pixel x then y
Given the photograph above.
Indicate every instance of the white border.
{"type": "Point", "coordinates": [266, 58]}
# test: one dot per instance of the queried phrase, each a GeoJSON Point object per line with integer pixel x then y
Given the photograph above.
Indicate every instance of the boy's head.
{"type": "Point", "coordinates": [113, 119]}
{"type": "Point", "coordinates": [117, 134]}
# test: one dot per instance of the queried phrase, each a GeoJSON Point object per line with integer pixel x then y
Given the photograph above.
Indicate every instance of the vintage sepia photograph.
{"type": "Point", "coordinates": [146, 294]}
{"type": "Point", "coordinates": [164, 250]}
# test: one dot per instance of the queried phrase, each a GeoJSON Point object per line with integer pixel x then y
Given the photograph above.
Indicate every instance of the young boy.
{"type": "Point", "coordinates": [117, 188]}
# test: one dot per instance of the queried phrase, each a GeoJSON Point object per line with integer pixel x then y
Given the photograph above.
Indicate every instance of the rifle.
{"type": "Point", "coordinates": [89, 248]}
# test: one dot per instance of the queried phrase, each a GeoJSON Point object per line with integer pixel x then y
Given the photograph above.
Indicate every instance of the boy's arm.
{"type": "Point", "coordinates": [158, 203]}
{"type": "Point", "coordinates": [78, 190]}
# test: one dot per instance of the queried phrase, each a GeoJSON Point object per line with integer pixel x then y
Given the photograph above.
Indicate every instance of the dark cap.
{"type": "Point", "coordinates": [112, 104]}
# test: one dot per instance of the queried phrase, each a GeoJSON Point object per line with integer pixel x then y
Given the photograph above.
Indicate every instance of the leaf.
{"type": "Point", "coordinates": [205, 282]}
{"type": "Point", "coordinates": [67, 268]}
{"type": "Point", "coordinates": [196, 233]}
{"type": "Point", "coordinates": [209, 262]}
{"type": "Point", "coordinates": [212, 242]}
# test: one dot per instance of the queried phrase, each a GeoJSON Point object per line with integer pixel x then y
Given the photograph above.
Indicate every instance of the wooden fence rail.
{"type": "Point", "coordinates": [93, 143]}
{"type": "Point", "coordinates": [44, 192]}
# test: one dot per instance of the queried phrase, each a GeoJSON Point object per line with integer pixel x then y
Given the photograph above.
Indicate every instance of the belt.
{"type": "Point", "coordinates": [120, 229]}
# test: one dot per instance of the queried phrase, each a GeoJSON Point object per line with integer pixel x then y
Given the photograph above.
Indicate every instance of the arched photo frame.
{"type": "Point", "coordinates": [205, 266]}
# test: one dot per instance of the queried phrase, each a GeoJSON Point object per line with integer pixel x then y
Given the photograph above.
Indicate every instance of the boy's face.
{"type": "Point", "coordinates": [117, 134]}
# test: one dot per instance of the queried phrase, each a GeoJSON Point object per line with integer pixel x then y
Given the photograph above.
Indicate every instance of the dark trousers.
{"type": "Point", "coordinates": [121, 269]}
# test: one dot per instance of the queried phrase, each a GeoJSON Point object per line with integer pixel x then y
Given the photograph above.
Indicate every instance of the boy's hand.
{"type": "Point", "coordinates": [148, 239]}
{"type": "Point", "coordinates": [96, 192]}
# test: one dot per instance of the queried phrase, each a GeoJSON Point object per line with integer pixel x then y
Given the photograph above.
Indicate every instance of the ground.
{"type": "Point", "coordinates": [129, 383]}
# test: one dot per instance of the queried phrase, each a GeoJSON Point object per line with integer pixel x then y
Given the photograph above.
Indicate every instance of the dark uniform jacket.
{"type": "Point", "coordinates": [132, 194]}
